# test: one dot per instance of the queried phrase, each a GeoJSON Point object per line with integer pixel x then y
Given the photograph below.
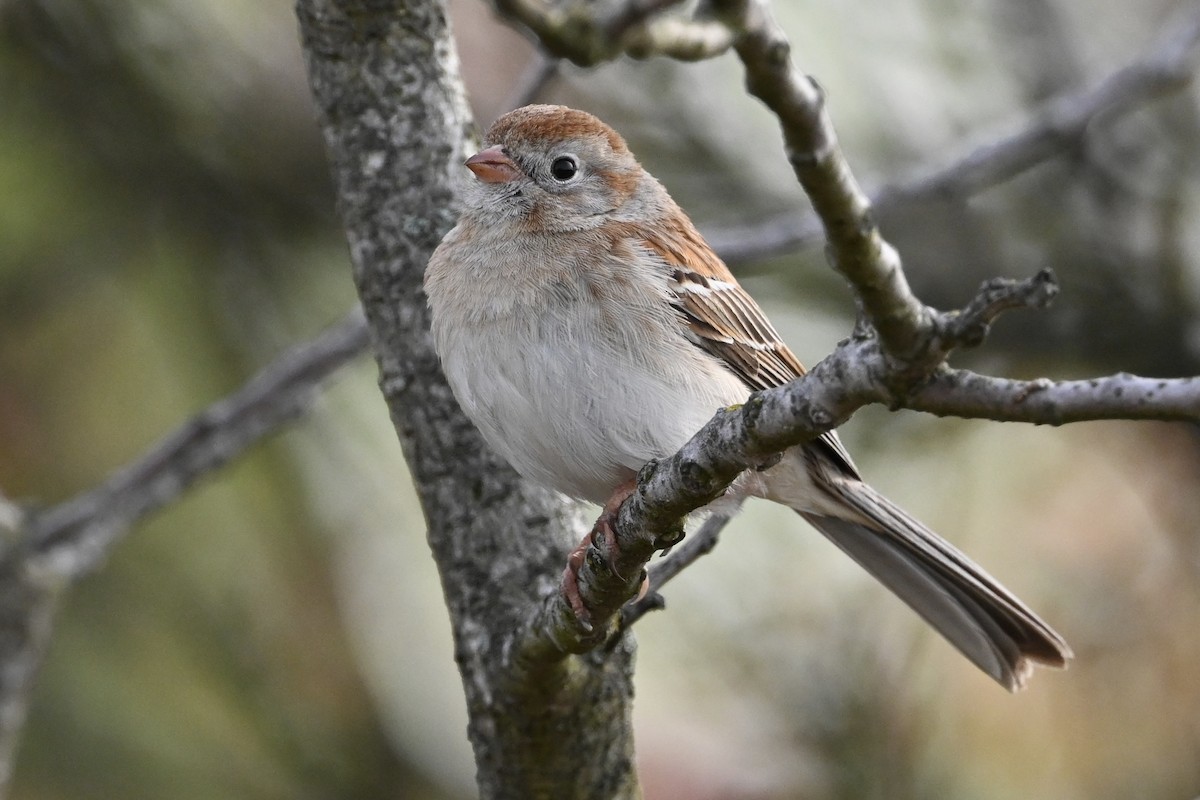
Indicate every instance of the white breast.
{"type": "Point", "coordinates": [577, 377]}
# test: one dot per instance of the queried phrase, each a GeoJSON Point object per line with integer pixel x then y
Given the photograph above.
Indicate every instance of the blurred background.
{"type": "Point", "coordinates": [167, 227]}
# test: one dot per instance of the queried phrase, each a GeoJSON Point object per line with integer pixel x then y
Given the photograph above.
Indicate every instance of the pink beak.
{"type": "Point", "coordinates": [492, 166]}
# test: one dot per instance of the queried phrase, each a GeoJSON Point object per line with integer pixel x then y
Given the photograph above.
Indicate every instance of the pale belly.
{"type": "Point", "coordinates": [578, 413]}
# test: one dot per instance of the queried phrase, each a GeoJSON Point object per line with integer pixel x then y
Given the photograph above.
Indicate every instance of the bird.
{"type": "Point", "coordinates": [585, 327]}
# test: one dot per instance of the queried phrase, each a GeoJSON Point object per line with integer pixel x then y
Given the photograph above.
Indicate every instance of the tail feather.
{"type": "Point", "coordinates": [977, 615]}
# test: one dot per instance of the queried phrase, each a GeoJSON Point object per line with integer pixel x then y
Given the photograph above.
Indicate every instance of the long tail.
{"type": "Point", "coordinates": [977, 615]}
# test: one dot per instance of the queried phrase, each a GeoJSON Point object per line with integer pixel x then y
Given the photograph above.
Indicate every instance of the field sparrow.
{"type": "Point", "coordinates": [586, 327]}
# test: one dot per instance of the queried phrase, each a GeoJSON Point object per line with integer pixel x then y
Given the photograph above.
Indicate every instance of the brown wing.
{"type": "Point", "coordinates": [725, 320]}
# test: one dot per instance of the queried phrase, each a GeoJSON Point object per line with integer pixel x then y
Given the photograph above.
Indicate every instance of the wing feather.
{"type": "Point", "coordinates": [723, 319]}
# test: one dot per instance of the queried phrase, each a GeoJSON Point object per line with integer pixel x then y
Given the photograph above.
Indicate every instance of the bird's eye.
{"type": "Point", "coordinates": [564, 168]}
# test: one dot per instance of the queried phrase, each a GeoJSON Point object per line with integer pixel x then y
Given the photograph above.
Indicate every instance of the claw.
{"type": "Point", "coordinates": [570, 584]}
{"type": "Point", "coordinates": [603, 528]}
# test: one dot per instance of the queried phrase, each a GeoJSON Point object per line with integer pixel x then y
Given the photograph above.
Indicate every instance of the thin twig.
{"type": "Point", "coordinates": [891, 361]}
{"type": "Point", "coordinates": [693, 548]}
{"type": "Point", "coordinates": [969, 327]}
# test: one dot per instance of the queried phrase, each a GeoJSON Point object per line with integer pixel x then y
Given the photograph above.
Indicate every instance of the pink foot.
{"type": "Point", "coordinates": [603, 528]}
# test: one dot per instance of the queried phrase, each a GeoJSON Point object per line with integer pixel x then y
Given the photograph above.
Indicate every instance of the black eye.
{"type": "Point", "coordinates": [564, 168]}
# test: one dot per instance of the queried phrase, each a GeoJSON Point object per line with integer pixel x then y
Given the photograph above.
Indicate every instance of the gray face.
{"type": "Point", "coordinates": [561, 185]}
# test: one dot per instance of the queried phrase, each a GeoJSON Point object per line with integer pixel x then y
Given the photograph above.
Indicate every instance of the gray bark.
{"type": "Point", "coordinates": [27, 601]}
{"type": "Point", "coordinates": [391, 106]}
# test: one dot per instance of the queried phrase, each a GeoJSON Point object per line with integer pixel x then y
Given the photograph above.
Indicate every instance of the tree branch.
{"type": "Point", "coordinates": [73, 537]}
{"type": "Point", "coordinates": [854, 245]}
{"type": "Point", "coordinates": [961, 393]}
{"type": "Point", "coordinates": [588, 33]}
{"type": "Point", "coordinates": [27, 603]}
{"type": "Point", "coordinates": [42, 551]}
{"type": "Point", "coordinates": [970, 326]}
{"type": "Point", "coordinates": [745, 437]}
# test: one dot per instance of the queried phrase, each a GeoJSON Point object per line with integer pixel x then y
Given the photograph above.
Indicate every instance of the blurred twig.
{"type": "Point", "coordinates": [42, 551]}
{"type": "Point", "coordinates": [1051, 130]}
{"type": "Point", "coordinates": [589, 33]}
{"type": "Point", "coordinates": [72, 537]}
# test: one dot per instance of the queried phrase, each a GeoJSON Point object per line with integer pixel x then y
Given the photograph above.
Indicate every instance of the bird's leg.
{"type": "Point", "coordinates": [603, 528]}
{"type": "Point", "coordinates": [606, 522]}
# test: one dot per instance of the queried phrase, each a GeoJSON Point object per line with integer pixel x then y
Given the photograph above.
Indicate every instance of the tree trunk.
{"type": "Point", "coordinates": [392, 109]}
